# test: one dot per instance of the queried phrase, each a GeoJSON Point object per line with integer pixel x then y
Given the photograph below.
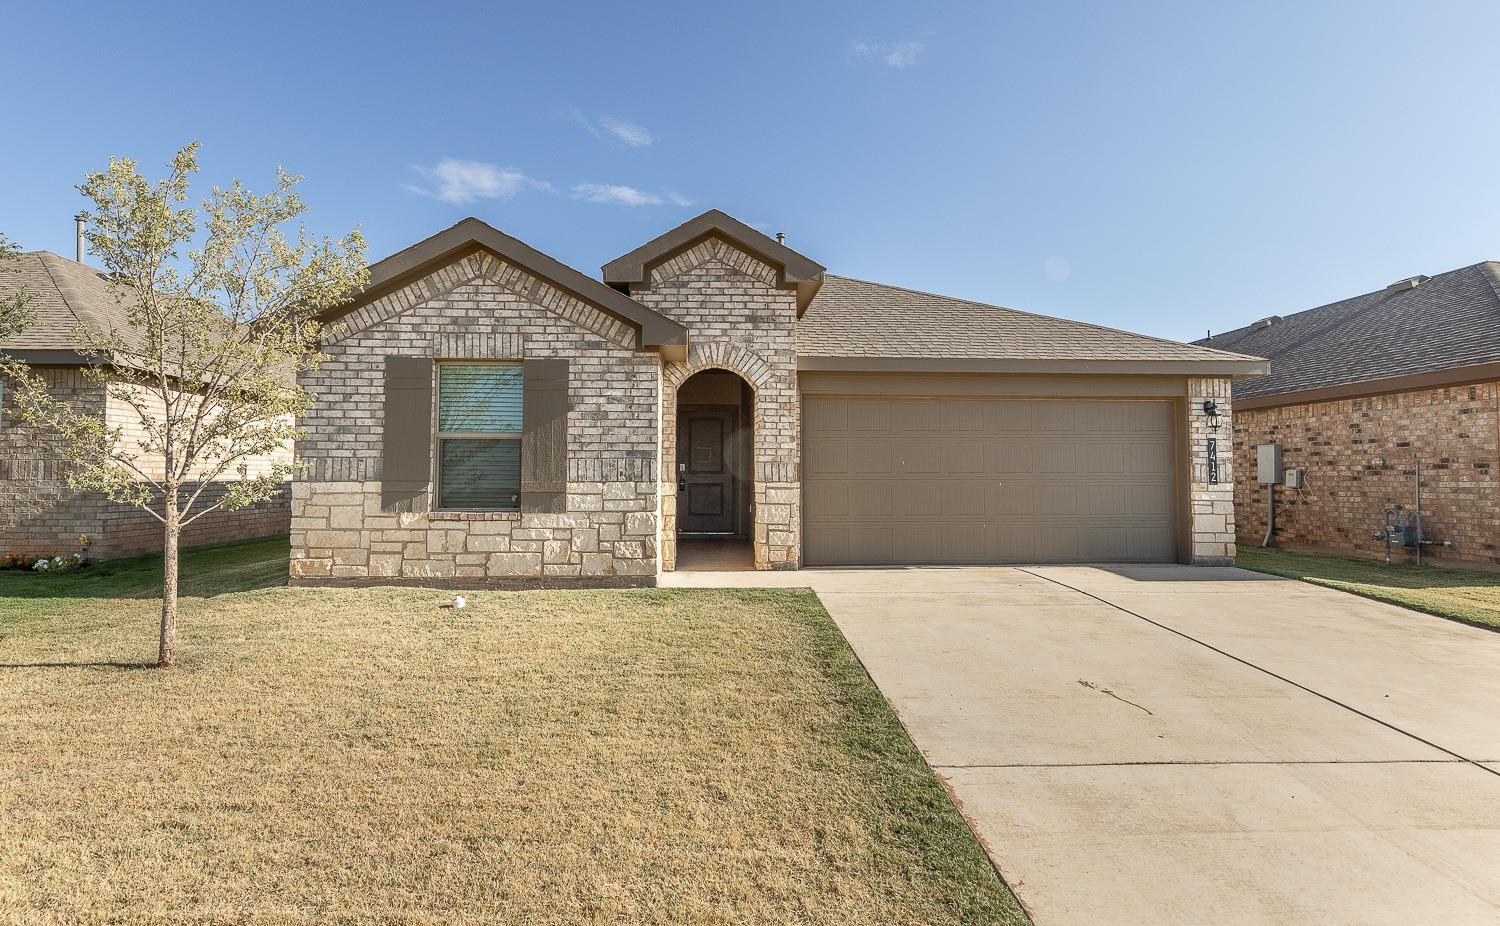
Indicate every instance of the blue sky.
{"type": "Point", "coordinates": [1160, 167]}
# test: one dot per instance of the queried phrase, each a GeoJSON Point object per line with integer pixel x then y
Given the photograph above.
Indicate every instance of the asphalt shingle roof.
{"type": "Point", "coordinates": [1451, 320]}
{"type": "Point", "coordinates": [853, 318]}
{"type": "Point", "coordinates": [65, 296]}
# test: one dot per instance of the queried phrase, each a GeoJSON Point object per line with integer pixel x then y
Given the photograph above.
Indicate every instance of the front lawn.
{"type": "Point", "coordinates": [1459, 594]}
{"type": "Point", "coordinates": [367, 756]}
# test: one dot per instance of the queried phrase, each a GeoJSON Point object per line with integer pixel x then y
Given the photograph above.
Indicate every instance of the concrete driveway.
{"type": "Point", "coordinates": [1164, 744]}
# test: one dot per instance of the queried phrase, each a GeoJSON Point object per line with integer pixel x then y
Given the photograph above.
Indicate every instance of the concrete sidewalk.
{"type": "Point", "coordinates": [1174, 745]}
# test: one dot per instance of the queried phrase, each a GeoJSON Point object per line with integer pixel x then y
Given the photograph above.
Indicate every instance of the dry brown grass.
{"type": "Point", "coordinates": [553, 757]}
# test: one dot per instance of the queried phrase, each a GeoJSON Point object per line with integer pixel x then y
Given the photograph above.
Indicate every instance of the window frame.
{"type": "Point", "coordinates": [439, 435]}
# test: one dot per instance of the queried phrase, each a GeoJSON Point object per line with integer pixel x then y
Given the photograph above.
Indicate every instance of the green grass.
{"type": "Point", "coordinates": [368, 756]}
{"type": "Point", "coordinates": [1458, 594]}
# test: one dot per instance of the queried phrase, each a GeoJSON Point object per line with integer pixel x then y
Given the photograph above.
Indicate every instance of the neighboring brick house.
{"type": "Point", "coordinates": [489, 416]}
{"type": "Point", "coordinates": [39, 514]}
{"type": "Point", "coordinates": [1362, 391]}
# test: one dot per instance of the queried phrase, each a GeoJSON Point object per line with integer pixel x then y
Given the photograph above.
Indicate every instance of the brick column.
{"type": "Point", "coordinates": [1212, 525]}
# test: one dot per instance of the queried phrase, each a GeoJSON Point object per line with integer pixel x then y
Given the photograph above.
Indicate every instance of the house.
{"type": "Point", "coordinates": [39, 514]}
{"type": "Point", "coordinates": [1365, 394]}
{"type": "Point", "coordinates": [488, 415]}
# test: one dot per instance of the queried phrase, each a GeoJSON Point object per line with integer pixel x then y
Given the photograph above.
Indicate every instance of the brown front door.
{"type": "Point", "coordinates": [705, 470]}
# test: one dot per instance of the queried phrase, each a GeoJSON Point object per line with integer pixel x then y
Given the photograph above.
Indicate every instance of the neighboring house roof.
{"type": "Point", "coordinates": [65, 296]}
{"type": "Point", "coordinates": [855, 325]}
{"type": "Point", "coordinates": [1419, 332]}
{"type": "Point", "coordinates": [794, 270]}
{"type": "Point", "coordinates": [472, 234]}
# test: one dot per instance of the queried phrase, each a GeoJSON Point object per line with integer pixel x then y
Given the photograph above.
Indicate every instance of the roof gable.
{"type": "Point", "coordinates": [472, 234]}
{"type": "Point", "coordinates": [794, 270]}
{"type": "Point", "coordinates": [1447, 322]}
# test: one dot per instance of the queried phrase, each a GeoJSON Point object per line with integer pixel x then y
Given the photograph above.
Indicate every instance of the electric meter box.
{"type": "Point", "coordinates": [1296, 478]}
{"type": "Point", "coordinates": [1268, 464]}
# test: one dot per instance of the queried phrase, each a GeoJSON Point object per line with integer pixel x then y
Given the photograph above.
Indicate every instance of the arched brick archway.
{"type": "Point", "coordinates": [757, 373]}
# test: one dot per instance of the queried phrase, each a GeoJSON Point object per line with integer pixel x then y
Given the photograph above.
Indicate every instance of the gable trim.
{"type": "Point", "coordinates": [431, 255]}
{"type": "Point", "coordinates": [794, 271]}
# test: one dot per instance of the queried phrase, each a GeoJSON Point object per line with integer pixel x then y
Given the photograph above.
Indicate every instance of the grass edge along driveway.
{"type": "Point", "coordinates": [1464, 595]}
{"type": "Point", "coordinates": [334, 755]}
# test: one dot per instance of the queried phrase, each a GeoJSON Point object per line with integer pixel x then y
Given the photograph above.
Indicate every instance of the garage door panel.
{"type": "Point", "coordinates": [1058, 416]}
{"type": "Point", "coordinates": [1015, 415]}
{"type": "Point", "coordinates": [1101, 418]}
{"type": "Point", "coordinates": [1054, 498]}
{"type": "Point", "coordinates": [1150, 457]}
{"type": "Point", "coordinates": [825, 457]}
{"type": "Point", "coordinates": [828, 417]}
{"type": "Point", "coordinates": [1150, 500]}
{"type": "Point", "coordinates": [871, 544]}
{"type": "Point", "coordinates": [987, 481]}
{"type": "Point", "coordinates": [918, 499]}
{"type": "Point", "coordinates": [917, 415]}
{"type": "Point", "coordinates": [1009, 543]}
{"type": "Point", "coordinates": [870, 498]}
{"type": "Point", "coordinates": [1055, 457]}
{"type": "Point", "coordinates": [963, 456]}
{"type": "Point", "coordinates": [870, 415]}
{"type": "Point", "coordinates": [1009, 455]}
{"type": "Point", "coordinates": [916, 456]}
{"type": "Point", "coordinates": [958, 417]}
{"type": "Point", "coordinates": [872, 457]}
{"type": "Point", "coordinates": [830, 502]}
{"type": "Point", "coordinates": [1148, 418]}
{"type": "Point", "coordinates": [1101, 457]}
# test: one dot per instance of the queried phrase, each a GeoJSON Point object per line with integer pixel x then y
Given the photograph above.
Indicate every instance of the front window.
{"type": "Point", "coordinates": [479, 435]}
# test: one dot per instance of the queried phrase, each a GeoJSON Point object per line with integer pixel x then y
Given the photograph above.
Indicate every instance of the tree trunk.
{"type": "Point", "coordinates": [167, 653]}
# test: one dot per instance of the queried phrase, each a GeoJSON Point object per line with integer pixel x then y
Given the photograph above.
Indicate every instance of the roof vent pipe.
{"type": "Point", "coordinates": [80, 218]}
{"type": "Point", "coordinates": [781, 237]}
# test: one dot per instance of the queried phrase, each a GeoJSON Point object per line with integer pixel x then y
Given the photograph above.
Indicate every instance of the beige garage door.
{"type": "Point", "coordinates": [897, 481]}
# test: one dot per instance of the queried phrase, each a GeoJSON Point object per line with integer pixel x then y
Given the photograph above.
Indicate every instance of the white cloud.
{"type": "Point", "coordinates": [614, 194]}
{"type": "Point", "coordinates": [1057, 268]}
{"type": "Point", "coordinates": [615, 131]}
{"type": "Point", "coordinates": [457, 181]}
{"type": "Point", "coordinates": [899, 55]}
{"type": "Point", "coordinates": [628, 133]}
{"type": "Point", "coordinates": [903, 55]}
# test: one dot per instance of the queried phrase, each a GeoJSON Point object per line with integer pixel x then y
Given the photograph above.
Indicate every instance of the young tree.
{"type": "Point", "coordinates": [15, 309]}
{"type": "Point", "coordinates": [219, 303]}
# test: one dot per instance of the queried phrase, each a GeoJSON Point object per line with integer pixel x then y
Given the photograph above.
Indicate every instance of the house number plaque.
{"type": "Point", "coordinates": [1213, 461]}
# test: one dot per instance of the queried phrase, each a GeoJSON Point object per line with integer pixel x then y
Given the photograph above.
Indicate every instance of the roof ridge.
{"type": "Point", "coordinates": [79, 304]}
{"type": "Point", "coordinates": [63, 293]}
{"type": "Point", "coordinates": [1038, 315]}
{"type": "Point", "coordinates": [1484, 265]}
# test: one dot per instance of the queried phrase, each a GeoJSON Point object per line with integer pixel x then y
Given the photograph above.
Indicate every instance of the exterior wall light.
{"type": "Point", "coordinates": [1211, 412]}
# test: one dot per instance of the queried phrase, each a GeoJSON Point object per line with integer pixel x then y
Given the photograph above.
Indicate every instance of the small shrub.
{"type": "Point", "coordinates": [17, 561]}
{"type": "Point", "coordinates": [68, 563]}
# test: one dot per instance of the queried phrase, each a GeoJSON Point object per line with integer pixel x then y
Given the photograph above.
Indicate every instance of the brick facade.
{"type": "Point", "coordinates": [740, 322]}
{"type": "Point", "coordinates": [481, 308]}
{"type": "Point", "coordinates": [619, 522]}
{"type": "Point", "coordinates": [39, 514]}
{"type": "Point", "coordinates": [1359, 456]}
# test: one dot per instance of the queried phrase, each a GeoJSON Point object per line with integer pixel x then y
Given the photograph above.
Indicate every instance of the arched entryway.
{"type": "Point", "coordinates": [713, 468]}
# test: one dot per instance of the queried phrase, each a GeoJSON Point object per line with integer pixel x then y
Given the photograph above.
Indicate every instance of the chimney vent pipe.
{"type": "Point", "coordinates": [80, 218]}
